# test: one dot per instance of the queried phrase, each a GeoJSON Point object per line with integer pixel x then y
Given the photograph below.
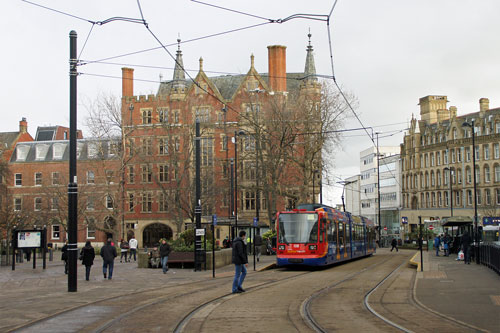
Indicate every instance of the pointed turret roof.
{"type": "Point", "coordinates": [179, 79]}
{"type": "Point", "coordinates": [310, 69]}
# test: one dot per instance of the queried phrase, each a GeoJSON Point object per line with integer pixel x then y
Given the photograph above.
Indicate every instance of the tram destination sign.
{"type": "Point", "coordinates": [488, 220]}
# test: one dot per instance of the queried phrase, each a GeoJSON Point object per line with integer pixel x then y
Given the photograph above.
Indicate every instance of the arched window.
{"type": "Point", "coordinates": [438, 176]}
{"type": "Point", "coordinates": [497, 173]}
{"type": "Point", "coordinates": [433, 179]}
{"type": "Point", "coordinates": [468, 175]}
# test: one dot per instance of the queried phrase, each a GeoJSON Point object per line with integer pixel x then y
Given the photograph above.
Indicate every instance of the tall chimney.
{"type": "Point", "coordinates": [277, 67]}
{"type": "Point", "coordinates": [127, 82]}
{"type": "Point", "coordinates": [484, 104]}
{"type": "Point", "coordinates": [23, 125]}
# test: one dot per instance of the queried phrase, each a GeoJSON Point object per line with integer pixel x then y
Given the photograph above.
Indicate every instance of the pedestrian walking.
{"type": "Point", "coordinates": [394, 244]}
{"type": "Point", "coordinates": [258, 244]}
{"type": "Point", "coordinates": [87, 255]}
{"type": "Point", "coordinates": [466, 240]}
{"type": "Point", "coordinates": [123, 249]}
{"type": "Point", "coordinates": [64, 256]}
{"type": "Point", "coordinates": [132, 243]}
{"type": "Point", "coordinates": [164, 252]}
{"type": "Point", "coordinates": [108, 254]}
{"type": "Point", "coordinates": [240, 261]}
{"type": "Point", "coordinates": [446, 245]}
{"type": "Point", "coordinates": [437, 242]}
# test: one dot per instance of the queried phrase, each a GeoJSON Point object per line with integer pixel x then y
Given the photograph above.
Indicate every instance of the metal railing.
{"type": "Point", "coordinates": [489, 255]}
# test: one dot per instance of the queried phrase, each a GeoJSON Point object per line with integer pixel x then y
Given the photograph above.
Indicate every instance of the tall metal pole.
{"type": "Point", "coordinates": [378, 194]}
{"type": "Point", "coordinates": [476, 238]}
{"type": "Point", "coordinates": [451, 192]}
{"type": "Point", "coordinates": [236, 182]}
{"type": "Point", "coordinates": [420, 242]}
{"type": "Point", "coordinates": [314, 199]}
{"type": "Point", "coordinates": [232, 195]}
{"type": "Point", "coordinates": [72, 186]}
{"type": "Point", "coordinates": [197, 209]}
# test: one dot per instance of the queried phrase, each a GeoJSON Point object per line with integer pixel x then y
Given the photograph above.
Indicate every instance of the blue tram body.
{"type": "Point", "coordinates": [318, 235]}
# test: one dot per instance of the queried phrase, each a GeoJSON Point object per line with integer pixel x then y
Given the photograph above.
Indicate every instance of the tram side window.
{"type": "Point", "coordinates": [341, 234]}
{"type": "Point", "coordinates": [331, 232]}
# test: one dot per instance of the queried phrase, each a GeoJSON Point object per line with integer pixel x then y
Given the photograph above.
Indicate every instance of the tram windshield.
{"type": "Point", "coordinates": [298, 228]}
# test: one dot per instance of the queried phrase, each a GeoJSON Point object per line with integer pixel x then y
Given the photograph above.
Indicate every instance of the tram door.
{"type": "Point", "coordinates": [341, 240]}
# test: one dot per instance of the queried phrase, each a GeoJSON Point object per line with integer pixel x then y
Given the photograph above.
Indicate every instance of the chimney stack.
{"type": "Point", "coordinates": [23, 125]}
{"type": "Point", "coordinates": [127, 82]}
{"type": "Point", "coordinates": [484, 104]}
{"type": "Point", "coordinates": [277, 67]}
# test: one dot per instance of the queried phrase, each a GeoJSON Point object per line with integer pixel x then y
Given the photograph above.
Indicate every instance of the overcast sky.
{"type": "Point", "coordinates": [388, 53]}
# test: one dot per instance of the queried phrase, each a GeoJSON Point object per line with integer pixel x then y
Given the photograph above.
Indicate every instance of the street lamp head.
{"type": "Point", "coordinates": [467, 124]}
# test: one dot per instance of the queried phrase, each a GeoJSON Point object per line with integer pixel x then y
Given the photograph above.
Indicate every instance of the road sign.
{"type": "Point", "coordinates": [255, 222]}
{"type": "Point", "coordinates": [431, 227]}
{"type": "Point", "coordinates": [200, 232]}
{"type": "Point", "coordinates": [404, 219]}
{"type": "Point", "coordinates": [385, 228]}
{"type": "Point", "coordinates": [214, 219]}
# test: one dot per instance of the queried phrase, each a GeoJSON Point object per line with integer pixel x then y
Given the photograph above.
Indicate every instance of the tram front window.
{"type": "Point", "coordinates": [298, 228]}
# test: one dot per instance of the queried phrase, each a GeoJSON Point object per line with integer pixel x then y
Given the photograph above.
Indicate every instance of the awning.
{"type": "Point", "coordinates": [456, 221]}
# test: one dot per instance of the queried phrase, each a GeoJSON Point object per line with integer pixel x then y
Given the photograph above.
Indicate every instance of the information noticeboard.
{"type": "Point", "coordinates": [29, 239]}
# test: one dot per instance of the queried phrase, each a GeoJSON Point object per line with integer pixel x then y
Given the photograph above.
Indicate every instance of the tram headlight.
{"type": "Point", "coordinates": [281, 247]}
{"type": "Point", "coordinates": [313, 247]}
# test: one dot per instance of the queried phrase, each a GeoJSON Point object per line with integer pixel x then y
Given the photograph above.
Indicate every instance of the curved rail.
{"type": "Point", "coordinates": [375, 313]}
{"type": "Point", "coordinates": [305, 307]}
{"type": "Point", "coordinates": [185, 320]}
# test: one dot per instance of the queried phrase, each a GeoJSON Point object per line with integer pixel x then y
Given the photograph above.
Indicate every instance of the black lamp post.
{"type": "Point", "coordinates": [476, 238]}
{"type": "Point", "coordinates": [236, 133]}
{"type": "Point", "coordinates": [450, 179]}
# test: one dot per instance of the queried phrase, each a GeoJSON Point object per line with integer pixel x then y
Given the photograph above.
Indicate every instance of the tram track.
{"type": "Point", "coordinates": [305, 309]}
{"type": "Point", "coordinates": [390, 299]}
{"type": "Point", "coordinates": [182, 324]}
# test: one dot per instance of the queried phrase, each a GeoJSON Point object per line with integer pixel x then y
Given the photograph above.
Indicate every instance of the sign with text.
{"type": "Point", "coordinates": [200, 232]}
{"type": "Point", "coordinates": [489, 220]}
{"type": "Point", "coordinates": [29, 239]}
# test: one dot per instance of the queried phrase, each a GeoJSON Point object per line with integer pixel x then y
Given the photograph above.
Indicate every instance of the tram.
{"type": "Point", "coordinates": [318, 235]}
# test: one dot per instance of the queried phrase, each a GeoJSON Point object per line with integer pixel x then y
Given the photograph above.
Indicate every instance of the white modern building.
{"type": "Point", "coordinates": [362, 190]}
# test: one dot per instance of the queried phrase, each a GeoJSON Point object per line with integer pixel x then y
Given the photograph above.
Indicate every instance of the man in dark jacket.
{"type": "Point", "coordinates": [164, 252]}
{"type": "Point", "coordinates": [240, 262]}
{"type": "Point", "coordinates": [108, 254]}
{"type": "Point", "coordinates": [87, 255]}
{"type": "Point", "coordinates": [64, 256]}
{"type": "Point", "coordinates": [466, 240]}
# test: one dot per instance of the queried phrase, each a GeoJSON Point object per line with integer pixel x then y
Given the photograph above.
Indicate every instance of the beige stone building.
{"type": "Point", "coordinates": [439, 144]}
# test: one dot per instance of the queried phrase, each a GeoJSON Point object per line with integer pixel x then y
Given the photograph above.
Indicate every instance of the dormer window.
{"type": "Point", "coordinates": [58, 151]}
{"type": "Point", "coordinates": [22, 152]}
{"type": "Point", "coordinates": [79, 148]}
{"type": "Point", "coordinates": [41, 151]}
{"type": "Point", "coordinates": [92, 150]}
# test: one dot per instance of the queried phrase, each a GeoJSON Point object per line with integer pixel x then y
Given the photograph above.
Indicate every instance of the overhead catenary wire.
{"type": "Point", "coordinates": [318, 17]}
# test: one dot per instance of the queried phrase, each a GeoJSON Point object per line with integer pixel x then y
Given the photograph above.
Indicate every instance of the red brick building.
{"type": "Point", "coordinates": [143, 182]}
{"type": "Point", "coordinates": [159, 146]}
{"type": "Point", "coordinates": [38, 179]}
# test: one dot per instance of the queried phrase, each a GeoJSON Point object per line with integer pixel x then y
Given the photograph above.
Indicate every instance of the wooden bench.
{"type": "Point", "coordinates": [181, 258]}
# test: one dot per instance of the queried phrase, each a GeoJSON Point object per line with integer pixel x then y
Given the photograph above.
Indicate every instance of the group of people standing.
{"type": "Point", "coordinates": [108, 253]}
{"type": "Point", "coordinates": [446, 241]}
{"type": "Point", "coordinates": [125, 247]}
